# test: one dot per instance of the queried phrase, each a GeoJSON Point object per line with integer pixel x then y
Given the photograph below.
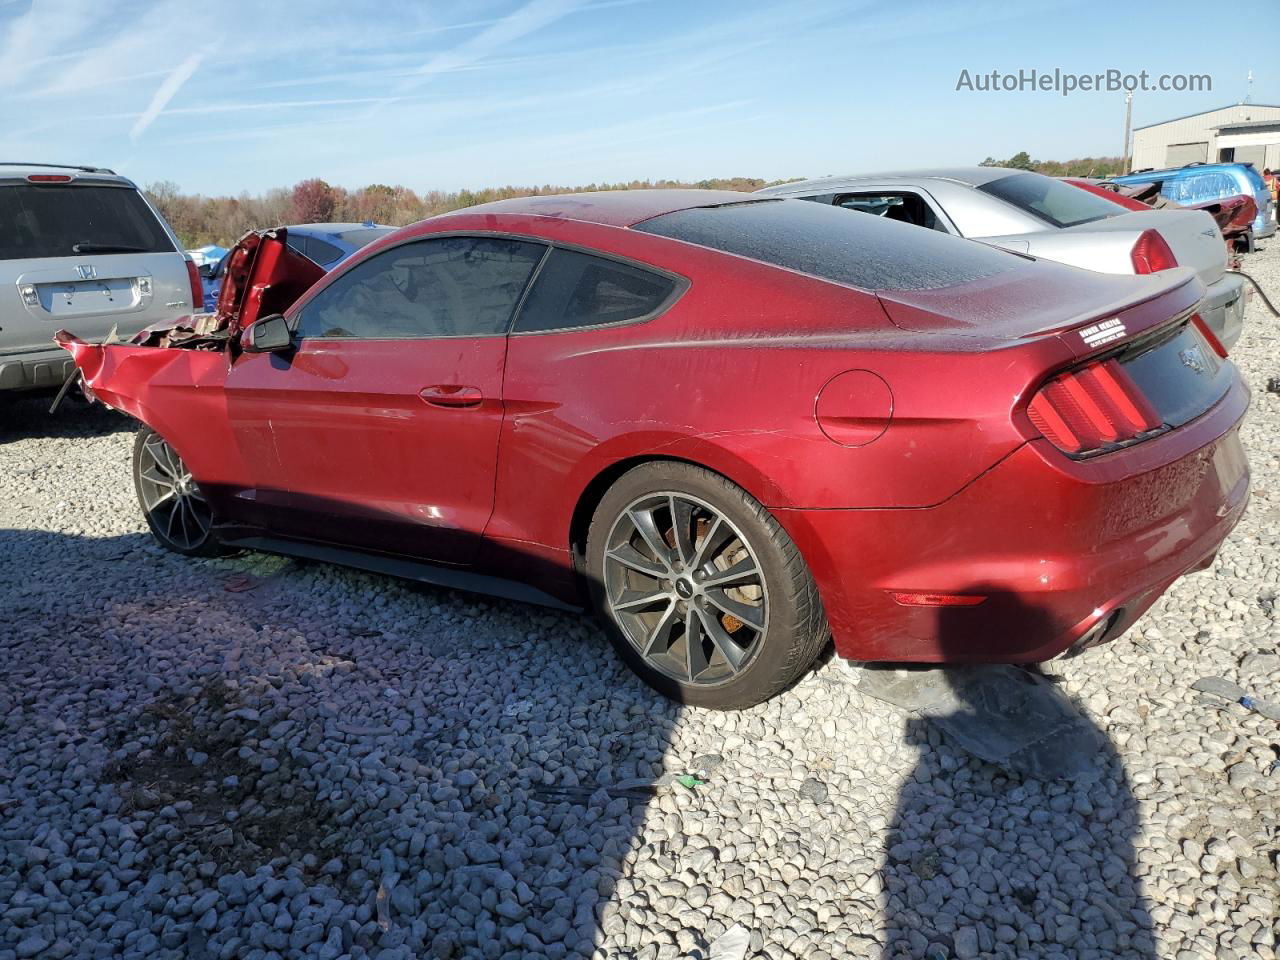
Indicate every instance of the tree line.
{"type": "Point", "coordinates": [1100, 167]}
{"type": "Point", "coordinates": [199, 220]}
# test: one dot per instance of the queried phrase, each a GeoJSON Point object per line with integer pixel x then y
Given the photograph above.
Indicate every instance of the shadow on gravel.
{"type": "Point", "coordinates": [984, 860]}
{"type": "Point", "coordinates": [26, 416]}
{"type": "Point", "coordinates": [251, 758]}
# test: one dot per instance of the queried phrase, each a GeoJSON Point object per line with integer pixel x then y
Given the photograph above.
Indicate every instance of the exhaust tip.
{"type": "Point", "coordinates": [1098, 633]}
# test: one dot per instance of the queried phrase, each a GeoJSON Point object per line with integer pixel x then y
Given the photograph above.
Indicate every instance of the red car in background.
{"type": "Point", "coordinates": [735, 426]}
{"type": "Point", "coordinates": [1092, 186]}
{"type": "Point", "coordinates": [1233, 215]}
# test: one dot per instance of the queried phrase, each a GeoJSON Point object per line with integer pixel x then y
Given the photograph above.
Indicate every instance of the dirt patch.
{"type": "Point", "coordinates": [224, 805]}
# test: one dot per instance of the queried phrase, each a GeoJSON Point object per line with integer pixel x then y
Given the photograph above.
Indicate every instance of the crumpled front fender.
{"type": "Point", "coordinates": [88, 356]}
{"type": "Point", "coordinates": [117, 375]}
{"type": "Point", "coordinates": [177, 392]}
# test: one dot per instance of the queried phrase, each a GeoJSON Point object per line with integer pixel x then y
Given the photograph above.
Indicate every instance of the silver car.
{"type": "Point", "coordinates": [1044, 217]}
{"type": "Point", "coordinates": [80, 247]}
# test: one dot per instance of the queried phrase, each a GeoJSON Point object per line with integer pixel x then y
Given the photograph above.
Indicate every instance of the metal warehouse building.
{"type": "Point", "coordinates": [1241, 132]}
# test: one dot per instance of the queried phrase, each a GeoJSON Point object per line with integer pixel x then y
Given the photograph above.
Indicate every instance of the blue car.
{"type": "Point", "coordinates": [1204, 182]}
{"type": "Point", "coordinates": [326, 244]}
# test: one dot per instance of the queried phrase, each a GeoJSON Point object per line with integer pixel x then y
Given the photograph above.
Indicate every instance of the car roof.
{"type": "Point", "coordinates": [1189, 170]}
{"type": "Point", "coordinates": [336, 228]}
{"type": "Point", "coordinates": [11, 171]}
{"type": "Point", "coordinates": [969, 176]}
{"type": "Point", "coordinates": [615, 208]}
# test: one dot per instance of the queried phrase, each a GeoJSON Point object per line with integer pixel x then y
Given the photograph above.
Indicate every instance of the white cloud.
{"type": "Point", "coordinates": [165, 92]}
{"type": "Point", "coordinates": [42, 33]}
{"type": "Point", "coordinates": [532, 16]}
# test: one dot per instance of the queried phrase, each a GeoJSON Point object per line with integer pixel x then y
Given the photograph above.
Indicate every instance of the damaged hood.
{"type": "Point", "coordinates": [264, 275]}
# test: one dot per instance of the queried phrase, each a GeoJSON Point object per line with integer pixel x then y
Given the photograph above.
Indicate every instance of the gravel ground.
{"type": "Point", "coordinates": [251, 757]}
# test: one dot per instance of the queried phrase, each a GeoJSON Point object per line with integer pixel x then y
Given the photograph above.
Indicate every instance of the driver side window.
{"type": "Point", "coordinates": [441, 287]}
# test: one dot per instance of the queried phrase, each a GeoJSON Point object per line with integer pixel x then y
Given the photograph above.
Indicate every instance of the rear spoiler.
{"type": "Point", "coordinates": [1052, 300]}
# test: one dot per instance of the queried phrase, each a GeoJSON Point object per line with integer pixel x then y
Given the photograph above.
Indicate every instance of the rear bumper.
{"type": "Point", "coordinates": [34, 369]}
{"type": "Point", "coordinates": [1223, 308]}
{"type": "Point", "coordinates": [1056, 547]}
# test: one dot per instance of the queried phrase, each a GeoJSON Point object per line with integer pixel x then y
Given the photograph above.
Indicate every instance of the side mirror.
{"type": "Point", "coordinates": [206, 270]}
{"type": "Point", "coordinates": [268, 335]}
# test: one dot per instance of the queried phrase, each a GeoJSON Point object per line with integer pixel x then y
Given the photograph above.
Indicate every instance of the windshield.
{"type": "Point", "coordinates": [69, 221]}
{"type": "Point", "coordinates": [1053, 201]}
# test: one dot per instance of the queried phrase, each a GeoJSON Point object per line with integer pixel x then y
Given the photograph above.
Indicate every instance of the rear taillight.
{"type": "Point", "coordinates": [197, 291]}
{"type": "Point", "coordinates": [1092, 408]}
{"type": "Point", "coordinates": [1210, 337]}
{"type": "Point", "coordinates": [48, 178]}
{"type": "Point", "coordinates": [1151, 254]}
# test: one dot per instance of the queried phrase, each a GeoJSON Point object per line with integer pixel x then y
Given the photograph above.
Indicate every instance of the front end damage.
{"type": "Point", "coordinates": [264, 276]}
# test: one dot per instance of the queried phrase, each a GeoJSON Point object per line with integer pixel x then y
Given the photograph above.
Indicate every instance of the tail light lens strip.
{"type": "Point", "coordinates": [1091, 409]}
{"type": "Point", "coordinates": [1210, 337]}
{"type": "Point", "coordinates": [197, 290]}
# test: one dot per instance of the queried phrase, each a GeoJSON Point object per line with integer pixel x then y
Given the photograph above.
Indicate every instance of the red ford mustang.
{"type": "Point", "coordinates": [736, 426]}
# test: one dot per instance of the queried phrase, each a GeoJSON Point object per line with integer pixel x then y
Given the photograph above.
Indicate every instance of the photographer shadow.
{"type": "Point", "coordinates": [1028, 856]}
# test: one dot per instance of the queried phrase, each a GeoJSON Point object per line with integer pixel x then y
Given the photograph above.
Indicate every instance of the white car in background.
{"type": "Point", "coordinates": [1037, 215]}
{"type": "Point", "coordinates": [80, 247]}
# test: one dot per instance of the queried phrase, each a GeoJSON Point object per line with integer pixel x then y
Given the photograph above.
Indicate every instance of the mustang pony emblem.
{"type": "Point", "coordinates": [1192, 358]}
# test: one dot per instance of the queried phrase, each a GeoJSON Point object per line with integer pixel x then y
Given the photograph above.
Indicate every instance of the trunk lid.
{"type": "Point", "coordinates": [1177, 371]}
{"type": "Point", "coordinates": [1192, 235]}
{"type": "Point", "coordinates": [1041, 298]}
{"type": "Point", "coordinates": [1137, 363]}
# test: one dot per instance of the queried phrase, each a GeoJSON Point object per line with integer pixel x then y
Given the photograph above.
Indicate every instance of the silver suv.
{"type": "Point", "coordinates": [81, 248]}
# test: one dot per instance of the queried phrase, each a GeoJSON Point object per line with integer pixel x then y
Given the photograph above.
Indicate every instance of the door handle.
{"type": "Point", "coordinates": [451, 395]}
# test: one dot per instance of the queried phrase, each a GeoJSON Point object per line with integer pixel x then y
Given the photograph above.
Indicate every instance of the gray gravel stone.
{"type": "Point", "coordinates": [197, 771]}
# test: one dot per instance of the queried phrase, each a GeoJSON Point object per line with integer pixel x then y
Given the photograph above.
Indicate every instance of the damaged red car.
{"type": "Point", "coordinates": [735, 426]}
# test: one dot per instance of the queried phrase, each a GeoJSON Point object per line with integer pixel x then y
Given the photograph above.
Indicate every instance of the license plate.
{"type": "Point", "coordinates": [88, 297]}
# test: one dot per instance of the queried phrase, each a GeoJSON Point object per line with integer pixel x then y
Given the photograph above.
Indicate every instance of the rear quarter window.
{"type": "Point", "coordinates": [322, 252]}
{"type": "Point", "coordinates": [1051, 200]}
{"type": "Point", "coordinates": [870, 253]}
{"type": "Point", "coordinates": [576, 289]}
{"type": "Point", "coordinates": [38, 221]}
{"type": "Point", "coordinates": [363, 235]}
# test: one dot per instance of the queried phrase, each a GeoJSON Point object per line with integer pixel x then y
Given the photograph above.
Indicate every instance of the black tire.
{"type": "Point", "coordinates": [794, 627]}
{"type": "Point", "coordinates": [182, 522]}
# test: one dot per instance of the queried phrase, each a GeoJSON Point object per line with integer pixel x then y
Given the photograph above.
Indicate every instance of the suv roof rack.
{"type": "Point", "coordinates": [59, 166]}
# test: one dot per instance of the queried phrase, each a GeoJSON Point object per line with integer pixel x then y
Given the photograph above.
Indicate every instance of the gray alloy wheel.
{"type": "Point", "coordinates": [176, 510]}
{"type": "Point", "coordinates": [685, 588]}
{"type": "Point", "coordinates": [701, 591]}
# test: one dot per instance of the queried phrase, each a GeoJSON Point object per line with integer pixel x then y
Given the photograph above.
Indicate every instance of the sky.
{"type": "Point", "coordinates": [234, 96]}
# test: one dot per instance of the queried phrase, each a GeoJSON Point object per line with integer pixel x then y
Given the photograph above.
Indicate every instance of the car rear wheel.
{"type": "Point", "coordinates": [176, 510]}
{"type": "Point", "coordinates": [703, 593]}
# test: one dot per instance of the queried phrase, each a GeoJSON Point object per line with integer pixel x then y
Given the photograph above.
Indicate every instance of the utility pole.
{"type": "Point", "coordinates": [1128, 117]}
